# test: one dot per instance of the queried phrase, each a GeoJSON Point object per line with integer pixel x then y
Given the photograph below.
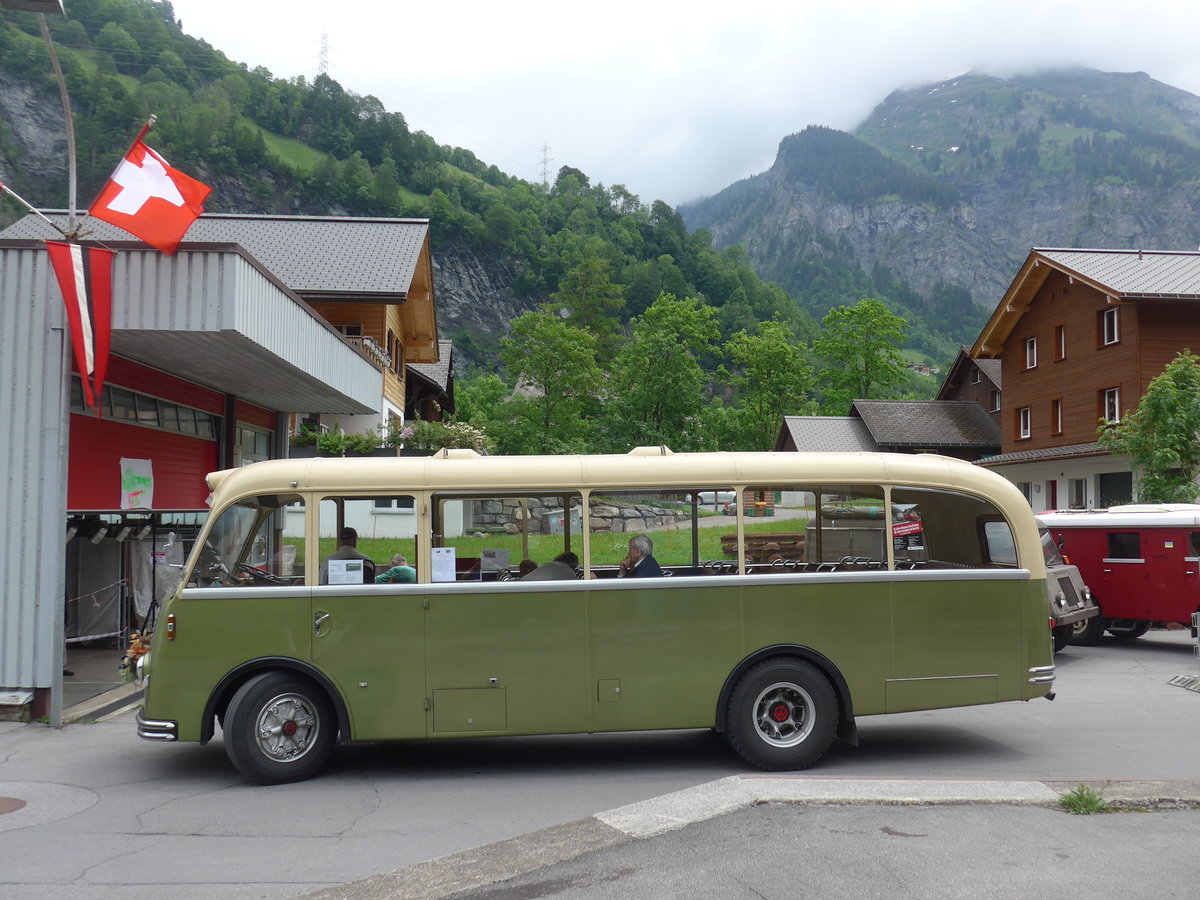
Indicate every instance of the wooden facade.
{"type": "Point", "coordinates": [382, 325]}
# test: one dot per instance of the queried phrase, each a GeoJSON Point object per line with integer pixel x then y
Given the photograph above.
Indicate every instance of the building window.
{"type": "Point", "coordinates": [1111, 405]}
{"type": "Point", "coordinates": [1056, 416]}
{"type": "Point", "coordinates": [135, 408]}
{"type": "Point", "coordinates": [1023, 427]}
{"type": "Point", "coordinates": [253, 444]}
{"type": "Point", "coordinates": [976, 376]}
{"type": "Point", "coordinates": [1060, 342]}
{"type": "Point", "coordinates": [1110, 326]}
{"type": "Point", "coordinates": [1026, 489]}
{"type": "Point", "coordinates": [1031, 353]}
{"type": "Point", "coordinates": [353, 331]}
{"type": "Point", "coordinates": [995, 401]}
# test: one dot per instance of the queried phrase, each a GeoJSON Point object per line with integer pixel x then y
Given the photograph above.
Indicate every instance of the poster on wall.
{"type": "Point", "coordinates": [137, 484]}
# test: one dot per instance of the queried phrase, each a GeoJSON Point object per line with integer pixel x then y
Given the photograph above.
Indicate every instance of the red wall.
{"type": "Point", "coordinates": [94, 471]}
{"type": "Point", "coordinates": [179, 462]}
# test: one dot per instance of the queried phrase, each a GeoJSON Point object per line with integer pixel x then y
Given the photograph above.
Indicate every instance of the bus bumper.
{"type": "Point", "coordinates": [156, 729]}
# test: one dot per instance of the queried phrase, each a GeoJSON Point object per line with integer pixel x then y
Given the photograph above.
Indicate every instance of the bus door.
{"type": "Point", "coordinates": [503, 654]}
{"type": "Point", "coordinates": [1123, 591]}
{"type": "Point", "coordinates": [369, 638]}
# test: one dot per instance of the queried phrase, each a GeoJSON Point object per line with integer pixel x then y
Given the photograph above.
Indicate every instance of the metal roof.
{"type": "Point", "coordinates": [1133, 273]}
{"type": "Point", "coordinates": [310, 254]}
{"type": "Point", "coordinates": [928, 423]}
{"type": "Point", "coordinates": [437, 373]}
{"type": "Point", "coordinates": [1070, 452]}
{"type": "Point", "coordinates": [834, 434]}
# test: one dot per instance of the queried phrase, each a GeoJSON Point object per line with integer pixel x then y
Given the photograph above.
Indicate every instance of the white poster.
{"type": "Point", "coordinates": [137, 484]}
{"type": "Point", "coordinates": [443, 563]}
{"type": "Point", "coordinates": [345, 571]}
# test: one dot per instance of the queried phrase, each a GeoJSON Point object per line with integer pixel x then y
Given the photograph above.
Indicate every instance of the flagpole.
{"type": "Point", "coordinates": [25, 203]}
{"type": "Point", "coordinates": [69, 121]}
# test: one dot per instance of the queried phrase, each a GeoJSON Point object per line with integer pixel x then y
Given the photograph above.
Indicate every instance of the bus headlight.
{"type": "Point", "coordinates": [141, 672]}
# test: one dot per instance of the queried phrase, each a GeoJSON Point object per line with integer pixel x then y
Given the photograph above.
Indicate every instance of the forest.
{"type": "Point", "coordinates": [607, 277]}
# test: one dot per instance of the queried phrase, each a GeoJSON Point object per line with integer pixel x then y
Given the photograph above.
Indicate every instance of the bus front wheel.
{"type": "Point", "coordinates": [782, 715]}
{"type": "Point", "coordinates": [1088, 632]}
{"type": "Point", "coordinates": [279, 728]}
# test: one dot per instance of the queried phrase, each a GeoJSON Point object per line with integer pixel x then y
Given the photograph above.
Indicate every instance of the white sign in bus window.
{"type": "Point", "coordinates": [345, 571]}
{"type": "Point", "coordinates": [493, 560]}
{"type": "Point", "coordinates": [442, 564]}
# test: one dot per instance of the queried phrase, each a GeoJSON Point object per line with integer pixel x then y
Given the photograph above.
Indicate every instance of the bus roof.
{"type": "Point", "coordinates": [643, 467]}
{"type": "Point", "coordinates": [1136, 515]}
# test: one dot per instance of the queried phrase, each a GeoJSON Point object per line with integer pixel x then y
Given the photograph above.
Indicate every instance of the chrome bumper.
{"type": "Point", "coordinates": [1041, 675]}
{"type": "Point", "coordinates": [156, 729]}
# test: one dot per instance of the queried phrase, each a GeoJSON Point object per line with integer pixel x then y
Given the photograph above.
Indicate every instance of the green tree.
{"type": "Point", "coordinates": [555, 364]}
{"type": "Point", "coordinates": [658, 384]}
{"type": "Point", "coordinates": [592, 301]}
{"type": "Point", "coordinates": [771, 378]}
{"type": "Point", "coordinates": [1162, 435]}
{"type": "Point", "coordinates": [861, 348]}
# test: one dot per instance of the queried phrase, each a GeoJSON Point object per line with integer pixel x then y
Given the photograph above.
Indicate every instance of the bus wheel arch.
{"type": "Point", "coordinates": [218, 701]}
{"type": "Point", "coordinates": [847, 730]}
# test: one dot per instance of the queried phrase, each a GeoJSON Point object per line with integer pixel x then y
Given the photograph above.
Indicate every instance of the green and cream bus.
{"type": "Point", "coordinates": [797, 592]}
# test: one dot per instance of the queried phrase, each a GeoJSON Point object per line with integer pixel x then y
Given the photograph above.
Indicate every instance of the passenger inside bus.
{"type": "Point", "coordinates": [348, 549]}
{"type": "Point", "coordinates": [640, 563]}
{"type": "Point", "coordinates": [562, 568]}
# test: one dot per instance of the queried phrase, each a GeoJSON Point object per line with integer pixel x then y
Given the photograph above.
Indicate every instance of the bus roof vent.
{"type": "Point", "coordinates": [660, 450]}
{"type": "Point", "coordinates": [455, 453]}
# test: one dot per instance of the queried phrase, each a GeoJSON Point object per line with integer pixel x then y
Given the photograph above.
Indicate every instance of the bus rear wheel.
{"type": "Point", "coordinates": [782, 715]}
{"type": "Point", "coordinates": [279, 728]}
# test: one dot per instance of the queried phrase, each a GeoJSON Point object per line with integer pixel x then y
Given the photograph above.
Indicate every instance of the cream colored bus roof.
{"type": "Point", "coordinates": [463, 470]}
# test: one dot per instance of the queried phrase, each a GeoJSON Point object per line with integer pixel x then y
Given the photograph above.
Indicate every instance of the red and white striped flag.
{"type": "Point", "coordinates": [85, 277]}
{"type": "Point", "coordinates": [149, 199]}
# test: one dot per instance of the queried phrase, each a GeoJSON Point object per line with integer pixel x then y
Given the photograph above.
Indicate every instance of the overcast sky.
{"type": "Point", "coordinates": [675, 100]}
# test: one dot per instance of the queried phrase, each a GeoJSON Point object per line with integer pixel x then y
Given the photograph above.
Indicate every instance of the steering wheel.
{"type": "Point", "coordinates": [257, 572]}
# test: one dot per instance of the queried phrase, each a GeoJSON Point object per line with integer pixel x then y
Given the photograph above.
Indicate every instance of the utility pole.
{"type": "Point", "coordinates": [545, 166]}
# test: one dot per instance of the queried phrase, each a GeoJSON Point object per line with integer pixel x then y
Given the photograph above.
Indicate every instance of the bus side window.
{"type": "Point", "coordinates": [947, 538]}
{"type": "Point", "coordinates": [1194, 544]}
{"type": "Point", "coordinates": [379, 530]}
{"type": "Point", "coordinates": [1124, 545]}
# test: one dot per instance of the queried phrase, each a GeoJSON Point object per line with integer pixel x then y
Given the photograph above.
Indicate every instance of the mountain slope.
{"type": "Point", "coordinates": [946, 187]}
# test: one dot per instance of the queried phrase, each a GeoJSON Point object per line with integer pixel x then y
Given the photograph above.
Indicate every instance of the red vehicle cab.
{"type": "Point", "coordinates": [1142, 563]}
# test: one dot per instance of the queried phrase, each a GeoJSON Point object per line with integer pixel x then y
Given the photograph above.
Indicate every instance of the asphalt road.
{"type": "Point", "coordinates": [106, 815]}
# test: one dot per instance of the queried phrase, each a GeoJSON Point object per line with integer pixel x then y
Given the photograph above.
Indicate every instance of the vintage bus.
{"type": "Point", "coordinates": [1141, 561]}
{"type": "Point", "coordinates": [839, 585]}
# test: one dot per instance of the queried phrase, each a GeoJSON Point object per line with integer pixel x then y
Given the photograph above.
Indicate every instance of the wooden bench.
{"type": "Point", "coordinates": [787, 545]}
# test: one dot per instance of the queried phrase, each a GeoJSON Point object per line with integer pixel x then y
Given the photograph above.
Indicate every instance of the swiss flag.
{"type": "Point", "coordinates": [149, 199]}
{"type": "Point", "coordinates": [85, 278]}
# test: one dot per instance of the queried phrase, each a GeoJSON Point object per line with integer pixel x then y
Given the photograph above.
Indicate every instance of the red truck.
{"type": "Point", "coordinates": [1142, 563]}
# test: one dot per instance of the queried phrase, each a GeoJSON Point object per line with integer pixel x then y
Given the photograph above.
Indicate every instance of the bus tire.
{"type": "Point", "coordinates": [782, 714]}
{"type": "Point", "coordinates": [1128, 629]}
{"type": "Point", "coordinates": [1062, 636]}
{"type": "Point", "coordinates": [279, 728]}
{"type": "Point", "coordinates": [1088, 632]}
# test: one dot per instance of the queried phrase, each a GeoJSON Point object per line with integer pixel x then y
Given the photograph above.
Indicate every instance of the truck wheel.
{"type": "Point", "coordinates": [279, 728]}
{"type": "Point", "coordinates": [1088, 632]}
{"type": "Point", "coordinates": [1128, 629]}
{"type": "Point", "coordinates": [782, 715]}
{"type": "Point", "coordinates": [1062, 636]}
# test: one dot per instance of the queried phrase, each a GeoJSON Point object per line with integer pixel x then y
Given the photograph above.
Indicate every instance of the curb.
{"type": "Point", "coordinates": [504, 860]}
{"type": "Point", "coordinates": [105, 705]}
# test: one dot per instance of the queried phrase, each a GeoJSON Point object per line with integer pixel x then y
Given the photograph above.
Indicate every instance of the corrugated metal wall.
{"type": "Point", "coordinates": [33, 472]}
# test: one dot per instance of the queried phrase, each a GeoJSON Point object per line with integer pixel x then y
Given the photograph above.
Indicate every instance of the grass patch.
{"type": "Point", "coordinates": [1083, 801]}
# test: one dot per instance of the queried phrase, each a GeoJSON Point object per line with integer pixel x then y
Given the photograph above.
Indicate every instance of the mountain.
{"type": "Point", "coordinates": [935, 200]}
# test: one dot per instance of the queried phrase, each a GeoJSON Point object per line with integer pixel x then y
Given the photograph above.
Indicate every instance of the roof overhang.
{"type": "Point", "coordinates": [213, 315]}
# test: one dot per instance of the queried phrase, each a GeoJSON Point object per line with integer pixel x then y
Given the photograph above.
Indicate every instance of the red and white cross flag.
{"type": "Point", "coordinates": [85, 277]}
{"type": "Point", "coordinates": [149, 199]}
